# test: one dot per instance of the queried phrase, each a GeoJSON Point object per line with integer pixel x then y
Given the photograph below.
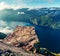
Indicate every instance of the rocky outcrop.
{"type": "Point", "coordinates": [23, 36]}
{"type": "Point", "coordinates": [7, 50]}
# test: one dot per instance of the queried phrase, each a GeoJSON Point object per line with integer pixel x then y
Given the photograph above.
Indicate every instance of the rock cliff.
{"type": "Point", "coordinates": [23, 36]}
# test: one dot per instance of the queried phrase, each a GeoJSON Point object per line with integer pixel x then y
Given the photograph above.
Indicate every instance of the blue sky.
{"type": "Point", "coordinates": [29, 3]}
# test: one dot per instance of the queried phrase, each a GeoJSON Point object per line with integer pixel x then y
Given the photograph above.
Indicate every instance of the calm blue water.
{"type": "Point", "coordinates": [49, 38]}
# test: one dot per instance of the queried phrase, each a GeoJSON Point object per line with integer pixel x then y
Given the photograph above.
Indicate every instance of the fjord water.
{"type": "Point", "coordinates": [49, 38]}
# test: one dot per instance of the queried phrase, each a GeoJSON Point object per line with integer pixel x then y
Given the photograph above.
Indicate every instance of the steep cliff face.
{"type": "Point", "coordinates": [22, 37]}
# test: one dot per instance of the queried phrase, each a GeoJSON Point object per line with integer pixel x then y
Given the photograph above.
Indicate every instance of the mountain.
{"type": "Point", "coordinates": [2, 35]}
{"type": "Point", "coordinates": [49, 17]}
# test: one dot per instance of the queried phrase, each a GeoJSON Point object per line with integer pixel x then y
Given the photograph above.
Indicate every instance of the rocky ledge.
{"type": "Point", "coordinates": [22, 41]}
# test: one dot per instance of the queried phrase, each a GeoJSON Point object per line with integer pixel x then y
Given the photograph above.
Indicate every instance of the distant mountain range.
{"type": "Point", "coordinates": [49, 17]}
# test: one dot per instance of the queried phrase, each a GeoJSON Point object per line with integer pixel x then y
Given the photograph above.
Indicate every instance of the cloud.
{"type": "Point", "coordinates": [20, 4]}
{"type": "Point", "coordinates": [4, 5]}
{"type": "Point", "coordinates": [3, 23]}
{"type": "Point", "coordinates": [4, 27]}
{"type": "Point", "coordinates": [29, 3]}
{"type": "Point", "coordinates": [6, 30]}
{"type": "Point", "coordinates": [21, 13]}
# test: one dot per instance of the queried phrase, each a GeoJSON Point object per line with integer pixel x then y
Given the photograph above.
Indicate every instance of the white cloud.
{"type": "Point", "coordinates": [18, 4]}
{"type": "Point", "coordinates": [5, 30]}
{"type": "Point", "coordinates": [20, 13]}
{"type": "Point", "coordinates": [4, 5]}
{"type": "Point", "coordinates": [4, 27]}
{"type": "Point", "coordinates": [3, 23]}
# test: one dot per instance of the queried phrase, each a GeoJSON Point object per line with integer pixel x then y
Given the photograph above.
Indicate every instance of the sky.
{"type": "Point", "coordinates": [15, 4]}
